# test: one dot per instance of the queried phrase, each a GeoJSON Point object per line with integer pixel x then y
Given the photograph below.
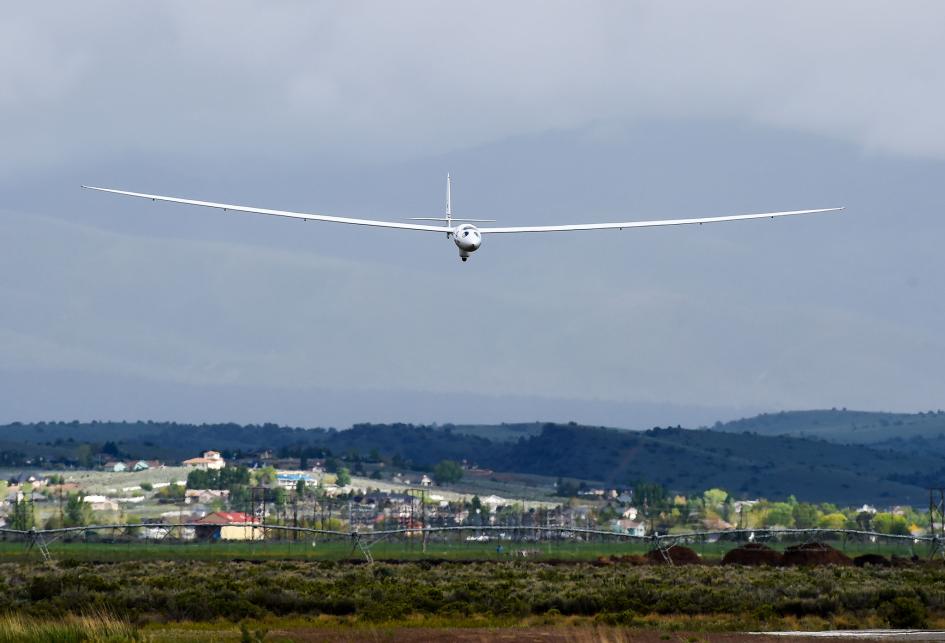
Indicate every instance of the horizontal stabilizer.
{"type": "Point", "coordinates": [452, 219]}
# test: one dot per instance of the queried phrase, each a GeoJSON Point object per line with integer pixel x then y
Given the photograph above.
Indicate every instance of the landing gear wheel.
{"type": "Point", "coordinates": [464, 258]}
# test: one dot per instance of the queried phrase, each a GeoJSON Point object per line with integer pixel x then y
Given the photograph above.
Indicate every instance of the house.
{"type": "Point", "coordinates": [116, 467]}
{"type": "Point", "coordinates": [493, 502]}
{"type": "Point", "coordinates": [743, 505]}
{"type": "Point", "coordinates": [205, 496]}
{"type": "Point", "coordinates": [629, 527]}
{"type": "Point", "coordinates": [716, 524]}
{"type": "Point", "coordinates": [210, 460]}
{"type": "Point", "coordinates": [228, 525]}
{"type": "Point", "coordinates": [27, 478]}
{"type": "Point", "coordinates": [425, 481]}
{"type": "Point", "coordinates": [100, 503]}
{"type": "Point", "coordinates": [630, 513]}
{"type": "Point", "coordinates": [289, 480]}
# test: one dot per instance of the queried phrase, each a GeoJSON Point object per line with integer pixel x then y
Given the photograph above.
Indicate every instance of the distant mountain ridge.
{"type": "Point", "coordinates": [842, 426]}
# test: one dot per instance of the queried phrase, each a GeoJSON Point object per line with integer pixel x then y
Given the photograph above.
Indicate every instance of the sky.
{"type": "Point", "coordinates": [543, 112]}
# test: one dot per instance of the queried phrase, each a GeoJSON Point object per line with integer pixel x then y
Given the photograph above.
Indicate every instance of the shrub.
{"type": "Point", "coordinates": [905, 612]}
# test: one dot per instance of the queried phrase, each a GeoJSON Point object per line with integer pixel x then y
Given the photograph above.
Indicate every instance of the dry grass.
{"type": "Point", "coordinates": [92, 628]}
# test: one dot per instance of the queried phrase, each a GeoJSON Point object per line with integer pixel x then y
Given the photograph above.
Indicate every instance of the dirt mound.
{"type": "Point", "coordinates": [872, 559]}
{"type": "Point", "coordinates": [677, 553]}
{"type": "Point", "coordinates": [814, 554]}
{"type": "Point", "coordinates": [902, 561]}
{"type": "Point", "coordinates": [630, 559]}
{"type": "Point", "coordinates": [753, 554]}
{"type": "Point", "coordinates": [626, 559]}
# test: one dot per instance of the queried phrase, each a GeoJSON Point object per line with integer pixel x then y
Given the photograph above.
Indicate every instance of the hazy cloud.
{"type": "Point", "coordinates": [545, 112]}
{"type": "Point", "coordinates": [359, 80]}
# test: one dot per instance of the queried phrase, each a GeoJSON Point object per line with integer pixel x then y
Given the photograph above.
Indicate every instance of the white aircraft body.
{"type": "Point", "coordinates": [466, 236]}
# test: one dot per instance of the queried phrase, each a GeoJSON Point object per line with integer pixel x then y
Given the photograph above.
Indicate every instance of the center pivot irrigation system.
{"type": "Point", "coordinates": [363, 541]}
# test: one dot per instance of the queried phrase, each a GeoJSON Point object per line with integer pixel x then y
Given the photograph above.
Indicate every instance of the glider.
{"type": "Point", "coordinates": [465, 235]}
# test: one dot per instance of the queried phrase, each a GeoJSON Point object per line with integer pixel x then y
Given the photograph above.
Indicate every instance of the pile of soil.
{"type": "Point", "coordinates": [814, 554]}
{"type": "Point", "coordinates": [753, 554]}
{"type": "Point", "coordinates": [902, 561]}
{"type": "Point", "coordinates": [677, 553]}
{"type": "Point", "coordinates": [626, 559]}
{"type": "Point", "coordinates": [876, 560]}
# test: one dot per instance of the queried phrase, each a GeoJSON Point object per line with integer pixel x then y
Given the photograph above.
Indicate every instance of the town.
{"type": "Point", "coordinates": [213, 496]}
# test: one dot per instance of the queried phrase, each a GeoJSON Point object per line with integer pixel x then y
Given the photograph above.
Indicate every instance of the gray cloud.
{"type": "Point", "coordinates": [545, 113]}
{"type": "Point", "coordinates": [358, 81]}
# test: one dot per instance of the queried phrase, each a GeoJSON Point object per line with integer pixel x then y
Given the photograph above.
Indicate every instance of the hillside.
{"type": "Point", "coordinates": [843, 426]}
{"type": "Point", "coordinates": [685, 461]}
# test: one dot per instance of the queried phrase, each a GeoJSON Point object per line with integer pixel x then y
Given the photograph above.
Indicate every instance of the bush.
{"type": "Point", "coordinates": [905, 612]}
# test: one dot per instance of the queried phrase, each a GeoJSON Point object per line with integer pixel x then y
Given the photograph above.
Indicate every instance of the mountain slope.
{"type": "Point", "coordinates": [684, 461]}
{"type": "Point", "coordinates": [842, 426]}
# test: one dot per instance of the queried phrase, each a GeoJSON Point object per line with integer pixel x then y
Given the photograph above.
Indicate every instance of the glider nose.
{"type": "Point", "coordinates": [468, 239]}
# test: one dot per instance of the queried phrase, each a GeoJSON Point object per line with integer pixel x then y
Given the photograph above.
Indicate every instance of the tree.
{"type": "Point", "coordinates": [78, 512]}
{"type": "Point", "coordinates": [83, 454]}
{"type": "Point", "coordinates": [888, 523]}
{"type": "Point", "coordinates": [110, 448]}
{"type": "Point", "coordinates": [170, 493]}
{"type": "Point", "coordinates": [300, 487]}
{"type": "Point", "coordinates": [266, 477]}
{"type": "Point", "coordinates": [805, 516]}
{"type": "Point", "coordinates": [21, 516]}
{"type": "Point", "coordinates": [565, 488]}
{"type": "Point", "coordinates": [834, 520]}
{"type": "Point", "coordinates": [343, 477]}
{"type": "Point", "coordinates": [780, 514]}
{"type": "Point", "coordinates": [714, 498]}
{"type": "Point", "coordinates": [447, 472]}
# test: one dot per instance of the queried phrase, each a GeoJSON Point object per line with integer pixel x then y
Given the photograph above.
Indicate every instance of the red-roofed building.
{"type": "Point", "coordinates": [229, 525]}
{"type": "Point", "coordinates": [210, 460]}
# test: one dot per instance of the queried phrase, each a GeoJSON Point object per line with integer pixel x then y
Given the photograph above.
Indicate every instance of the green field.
{"type": "Point", "coordinates": [410, 549]}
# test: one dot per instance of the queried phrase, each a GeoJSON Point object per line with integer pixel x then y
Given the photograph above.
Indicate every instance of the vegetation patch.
{"type": "Point", "coordinates": [482, 592]}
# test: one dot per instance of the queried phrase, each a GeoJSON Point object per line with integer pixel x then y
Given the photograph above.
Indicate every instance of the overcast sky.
{"type": "Point", "coordinates": [543, 112]}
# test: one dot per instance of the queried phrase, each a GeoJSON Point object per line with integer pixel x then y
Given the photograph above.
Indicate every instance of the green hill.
{"type": "Point", "coordinates": [842, 426]}
{"type": "Point", "coordinates": [685, 461]}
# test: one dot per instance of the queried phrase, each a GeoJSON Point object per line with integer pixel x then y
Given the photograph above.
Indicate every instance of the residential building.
{"type": "Point", "coordinates": [289, 480]}
{"type": "Point", "coordinates": [228, 525]}
{"type": "Point", "coordinates": [210, 460]}
{"type": "Point", "coordinates": [205, 496]}
{"type": "Point", "coordinates": [629, 527]}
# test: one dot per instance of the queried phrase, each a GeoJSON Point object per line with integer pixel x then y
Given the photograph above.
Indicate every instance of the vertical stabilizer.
{"type": "Point", "coordinates": [449, 203]}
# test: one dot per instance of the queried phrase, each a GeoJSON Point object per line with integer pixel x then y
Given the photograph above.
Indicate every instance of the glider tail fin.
{"type": "Point", "coordinates": [449, 201]}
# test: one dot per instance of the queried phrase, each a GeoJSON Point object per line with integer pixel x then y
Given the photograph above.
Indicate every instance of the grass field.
{"type": "Point", "coordinates": [409, 549]}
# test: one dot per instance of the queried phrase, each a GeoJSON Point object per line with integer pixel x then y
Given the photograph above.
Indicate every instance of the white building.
{"type": "Point", "coordinates": [210, 460]}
